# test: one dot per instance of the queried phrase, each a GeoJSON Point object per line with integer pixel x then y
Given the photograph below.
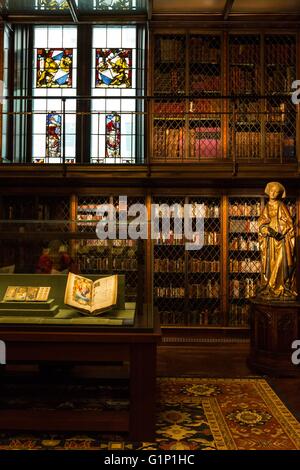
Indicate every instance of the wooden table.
{"type": "Point", "coordinates": [136, 344]}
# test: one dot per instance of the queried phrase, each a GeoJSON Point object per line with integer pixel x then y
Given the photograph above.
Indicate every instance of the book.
{"type": "Point", "coordinates": [26, 294]}
{"type": "Point", "coordinates": [92, 298]}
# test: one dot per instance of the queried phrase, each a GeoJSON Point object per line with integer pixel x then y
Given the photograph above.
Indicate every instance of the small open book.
{"type": "Point", "coordinates": [91, 297]}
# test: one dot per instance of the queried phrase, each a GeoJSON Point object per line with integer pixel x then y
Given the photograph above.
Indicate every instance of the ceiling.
{"type": "Point", "coordinates": [266, 6]}
{"type": "Point", "coordinates": [89, 7]}
{"type": "Point", "coordinates": [218, 6]}
{"type": "Point", "coordinates": [191, 6]}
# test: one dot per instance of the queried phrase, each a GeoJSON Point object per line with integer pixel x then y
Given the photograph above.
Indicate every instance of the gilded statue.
{"type": "Point", "coordinates": [277, 247]}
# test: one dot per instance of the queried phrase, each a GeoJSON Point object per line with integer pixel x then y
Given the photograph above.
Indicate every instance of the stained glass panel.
{"type": "Point", "coordinates": [113, 4]}
{"type": "Point", "coordinates": [54, 68]}
{"type": "Point", "coordinates": [113, 135]}
{"type": "Point", "coordinates": [114, 68]}
{"type": "Point", "coordinates": [53, 135]}
{"type": "Point", "coordinates": [51, 5]}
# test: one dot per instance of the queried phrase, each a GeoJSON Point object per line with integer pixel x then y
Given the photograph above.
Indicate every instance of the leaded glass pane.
{"type": "Point", "coordinates": [54, 68]}
{"type": "Point", "coordinates": [54, 77]}
{"type": "Point", "coordinates": [113, 4]}
{"type": "Point", "coordinates": [113, 135]}
{"type": "Point", "coordinates": [114, 89]}
{"type": "Point", "coordinates": [51, 5]}
{"type": "Point", "coordinates": [113, 68]}
{"type": "Point", "coordinates": [53, 135]}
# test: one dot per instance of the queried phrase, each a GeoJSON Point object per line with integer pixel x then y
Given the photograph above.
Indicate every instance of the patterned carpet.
{"type": "Point", "coordinates": [193, 414]}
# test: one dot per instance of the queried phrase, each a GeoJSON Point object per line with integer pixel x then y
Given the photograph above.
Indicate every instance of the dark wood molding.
{"type": "Point", "coordinates": [227, 9]}
{"type": "Point", "coordinates": [84, 19]}
{"type": "Point", "coordinates": [212, 20]}
{"type": "Point", "coordinates": [179, 175]}
{"type": "Point", "coordinates": [216, 21]}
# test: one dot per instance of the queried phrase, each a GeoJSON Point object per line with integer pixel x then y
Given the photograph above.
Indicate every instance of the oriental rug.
{"type": "Point", "coordinates": [192, 414]}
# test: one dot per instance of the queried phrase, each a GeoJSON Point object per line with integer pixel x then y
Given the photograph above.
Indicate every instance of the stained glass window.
{"type": "Point", "coordinates": [114, 90]}
{"type": "Point", "coordinates": [113, 135]}
{"type": "Point", "coordinates": [54, 68]}
{"type": "Point", "coordinates": [57, 44]}
{"type": "Point", "coordinates": [51, 5]}
{"type": "Point", "coordinates": [113, 4]}
{"type": "Point", "coordinates": [113, 68]}
{"type": "Point", "coordinates": [53, 135]}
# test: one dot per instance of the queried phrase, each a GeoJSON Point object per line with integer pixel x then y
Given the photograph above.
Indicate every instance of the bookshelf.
{"type": "Point", "coordinates": [203, 288]}
{"type": "Point", "coordinates": [96, 256]}
{"type": "Point", "coordinates": [186, 283]}
{"type": "Point", "coordinates": [204, 268]}
{"type": "Point", "coordinates": [192, 120]}
{"type": "Point", "coordinates": [280, 72]}
{"type": "Point", "coordinates": [169, 64]}
{"type": "Point", "coordinates": [244, 256]}
{"type": "Point", "coordinates": [187, 129]}
{"type": "Point", "coordinates": [245, 85]}
{"type": "Point", "coordinates": [169, 265]}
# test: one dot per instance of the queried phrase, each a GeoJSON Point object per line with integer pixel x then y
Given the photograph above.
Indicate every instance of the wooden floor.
{"type": "Point", "coordinates": [222, 360]}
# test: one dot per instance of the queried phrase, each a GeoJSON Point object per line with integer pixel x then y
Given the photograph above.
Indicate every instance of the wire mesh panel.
{"type": "Point", "coordinates": [35, 214]}
{"type": "Point", "coordinates": [110, 256]}
{"type": "Point", "coordinates": [244, 256]}
{"type": "Point", "coordinates": [245, 64]}
{"type": "Point", "coordinates": [55, 211]}
{"type": "Point", "coordinates": [245, 128]}
{"type": "Point", "coordinates": [168, 130]}
{"type": "Point", "coordinates": [203, 266]}
{"type": "Point", "coordinates": [280, 58]}
{"type": "Point", "coordinates": [280, 72]}
{"type": "Point", "coordinates": [92, 255]}
{"type": "Point", "coordinates": [169, 289]}
{"type": "Point", "coordinates": [204, 64]}
{"type": "Point", "coordinates": [169, 64]}
{"type": "Point", "coordinates": [87, 217]}
{"type": "Point", "coordinates": [205, 137]}
{"type": "Point", "coordinates": [127, 253]}
{"type": "Point", "coordinates": [168, 140]}
{"type": "Point", "coordinates": [245, 82]}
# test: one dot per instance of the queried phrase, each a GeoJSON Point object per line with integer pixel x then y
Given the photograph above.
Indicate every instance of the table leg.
{"type": "Point", "coordinates": [142, 391]}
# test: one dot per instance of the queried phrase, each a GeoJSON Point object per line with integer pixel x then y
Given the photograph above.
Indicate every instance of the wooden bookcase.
{"type": "Point", "coordinates": [223, 95]}
{"type": "Point", "coordinates": [202, 289]}
{"type": "Point", "coordinates": [186, 283]}
{"type": "Point", "coordinates": [186, 86]}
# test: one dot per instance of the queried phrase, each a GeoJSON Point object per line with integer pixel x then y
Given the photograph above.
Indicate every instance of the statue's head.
{"type": "Point", "coordinates": [275, 190]}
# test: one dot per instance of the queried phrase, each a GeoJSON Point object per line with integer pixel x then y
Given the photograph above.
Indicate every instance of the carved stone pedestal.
{"type": "Point", "coordinates": [273, 328]}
